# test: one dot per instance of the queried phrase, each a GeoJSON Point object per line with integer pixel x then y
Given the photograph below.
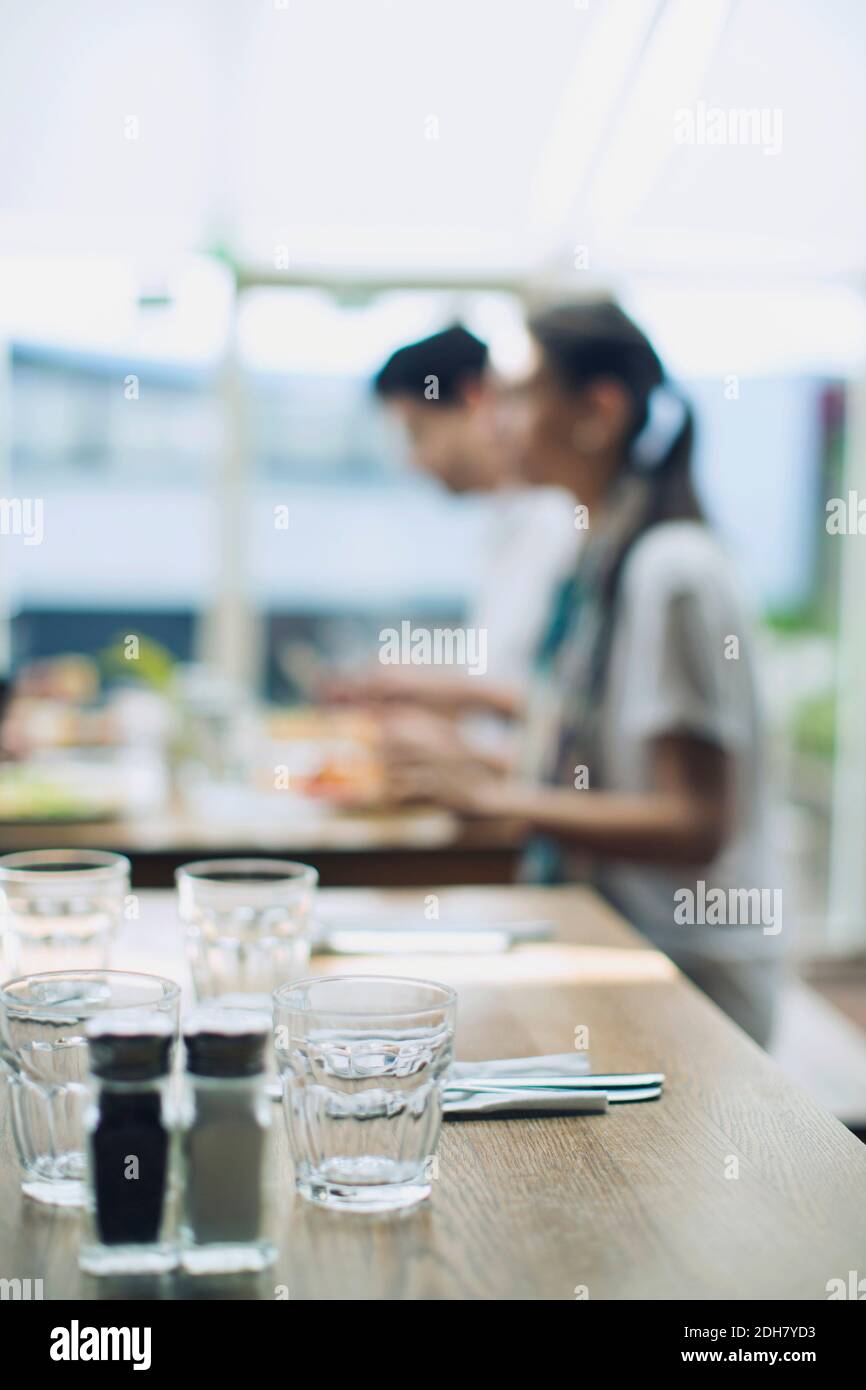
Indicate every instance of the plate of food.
{"type": "Point", "coordinates": [29, 797]}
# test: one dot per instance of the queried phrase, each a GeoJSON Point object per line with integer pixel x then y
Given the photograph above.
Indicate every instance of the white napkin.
{"type": "Point", "coordinates": [523, 1102]}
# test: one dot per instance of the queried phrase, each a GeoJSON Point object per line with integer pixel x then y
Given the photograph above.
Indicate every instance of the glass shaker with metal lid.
{"type": "Point", "coordinates": [227, 1114]}
{"type": "Point", "coordinates": [129, 1145]}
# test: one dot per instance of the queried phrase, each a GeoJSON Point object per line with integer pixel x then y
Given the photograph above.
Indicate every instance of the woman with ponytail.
{"type": "Point", "coordinates": [642, 759]}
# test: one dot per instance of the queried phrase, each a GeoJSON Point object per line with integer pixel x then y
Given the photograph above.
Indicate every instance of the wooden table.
{"type": "Point", "coordinates": [411, 847]}
{"type": "Point", "coordinates": [642, 1202]}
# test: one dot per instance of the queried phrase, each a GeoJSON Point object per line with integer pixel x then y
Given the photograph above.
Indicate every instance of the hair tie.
{"type": "Point", "coordinates": [667, 414]}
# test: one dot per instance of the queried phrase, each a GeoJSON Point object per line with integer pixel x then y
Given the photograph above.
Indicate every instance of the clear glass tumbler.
{"type": "Point", "coordinates": [248, 926]}
{"type": "Point", "coordinates": [43, 1049]}
{"type": "Point", "coordinates": [60, 909]}
{"type": "Point", "coordinates": [363, 1062]}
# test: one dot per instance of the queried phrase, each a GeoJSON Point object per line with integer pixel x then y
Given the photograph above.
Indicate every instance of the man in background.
{"type": "Point", "coordinates": [445, 397]}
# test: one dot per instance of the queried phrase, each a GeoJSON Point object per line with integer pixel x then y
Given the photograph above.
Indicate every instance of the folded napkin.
{"type": "Point", "coordinates": [566, 1064]}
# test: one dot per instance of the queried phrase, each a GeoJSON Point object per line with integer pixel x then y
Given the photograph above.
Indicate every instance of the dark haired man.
{"type": "Point", "coordinates": [443, 393]}
{"type": "Point", "coordinates": [439, 390]}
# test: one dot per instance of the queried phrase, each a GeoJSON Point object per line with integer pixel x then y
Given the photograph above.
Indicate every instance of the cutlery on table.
{"type": "Point", "coordinates": [360, 938]}
{"type": "Point", "coordinates": [620, 1087]}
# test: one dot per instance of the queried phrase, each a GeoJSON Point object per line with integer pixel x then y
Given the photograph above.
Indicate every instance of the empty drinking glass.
{"type": "Point", "coordinates": [363, 1062]}
{"type": "Point", "coordinates": [60, 909]}
{"type": "Point", "coordinates": [43, 1050]}
{"type": "Point", "coordinates": [248, 926]}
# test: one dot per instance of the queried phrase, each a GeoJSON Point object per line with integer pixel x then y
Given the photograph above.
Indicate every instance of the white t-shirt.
{"type": "Point", "coordinates": [531, 545]}
{"type": "Point", "coordinates": [681, 661]}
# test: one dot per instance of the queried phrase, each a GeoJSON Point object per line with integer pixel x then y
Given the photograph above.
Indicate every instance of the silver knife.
{"type": "Point", "coordinates": [589, 1081]}
{"type": "Point", "coordinates": [619, 1096]}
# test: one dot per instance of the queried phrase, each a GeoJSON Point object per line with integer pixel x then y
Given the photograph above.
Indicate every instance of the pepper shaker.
{"type": "Point", "coordinates": [227, 1114]}
{"type": "Point", "coordinates": [129, 1146]}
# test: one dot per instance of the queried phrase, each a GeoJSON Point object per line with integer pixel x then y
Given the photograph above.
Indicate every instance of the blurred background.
{"type": "Point", "coordinates": [218, 219]}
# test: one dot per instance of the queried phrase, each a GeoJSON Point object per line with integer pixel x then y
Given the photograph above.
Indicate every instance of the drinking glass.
{"type": "Point", "coordinates": [60, 909]}
{"type": "Point", "coordinates": [248, 926]}
{"type": "Point", "coordinates": [363, 1062]}
{"type": "Point", "coordinates": [43, 1050]}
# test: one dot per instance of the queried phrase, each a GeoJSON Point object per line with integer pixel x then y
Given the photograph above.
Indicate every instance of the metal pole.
{"type": "Point", "coordinates": [231, 632]}
{"type": "Point", "coordinates": [847, 888]}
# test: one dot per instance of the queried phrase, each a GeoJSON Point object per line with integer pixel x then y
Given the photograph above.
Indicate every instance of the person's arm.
{"type": "Point", "coordinates": [684, 819]}
{"type": "Point", "coordinates": [446, 692]}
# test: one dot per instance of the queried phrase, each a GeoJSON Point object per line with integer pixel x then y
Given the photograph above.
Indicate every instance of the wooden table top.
{"type": "Point", "coordinates": [412, 846]}
{"type": "Point", "coordinates": [313, 826]}
{"type": "Point", "coordinates": [641, 1202]}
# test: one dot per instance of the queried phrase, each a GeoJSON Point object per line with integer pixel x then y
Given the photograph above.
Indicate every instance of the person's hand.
{"type": "Point", "coordinates": [379, 685]}
{"type": "Point", "coordinates": [465, 786]}
{"type": "Point", "coordinates": [407, 733]}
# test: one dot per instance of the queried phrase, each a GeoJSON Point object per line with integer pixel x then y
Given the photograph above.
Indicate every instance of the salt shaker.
{"type": "Point", "coordinates": [129, 1126]}
{"type": "Point", "coordinates": [227, 1113]}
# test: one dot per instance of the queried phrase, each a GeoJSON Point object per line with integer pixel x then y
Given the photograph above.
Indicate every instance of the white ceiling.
{"type": "Point", "coordinates": [305, 126]}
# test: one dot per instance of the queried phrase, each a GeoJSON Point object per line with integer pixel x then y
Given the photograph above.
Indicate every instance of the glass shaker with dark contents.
{"type": "Point", "coordinates": [129, 1148]}
{"type": "Point", "coordinates": [227, 1114]}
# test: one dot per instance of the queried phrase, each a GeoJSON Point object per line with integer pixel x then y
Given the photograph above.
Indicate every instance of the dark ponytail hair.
{"type": "Point", "coordinates": [584, 342]}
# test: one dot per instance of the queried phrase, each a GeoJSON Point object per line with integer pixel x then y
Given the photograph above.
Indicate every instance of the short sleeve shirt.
{"type": "Point", "coordinates": [682, 662]}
